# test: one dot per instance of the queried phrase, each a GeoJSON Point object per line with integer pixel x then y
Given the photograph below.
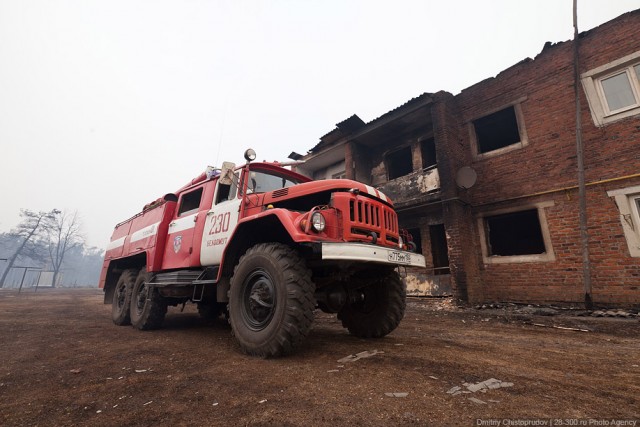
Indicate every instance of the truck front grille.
{"type": "Point", "coordinates": [368, 216]}
{"type": "Point", "coordinates": [364, 212]}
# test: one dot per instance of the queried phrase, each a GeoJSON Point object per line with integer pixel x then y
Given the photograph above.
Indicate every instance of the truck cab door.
{"type": "Point", "coordinates": [221, 221]}
{"type": "Point", "coordinates": [180, 235]}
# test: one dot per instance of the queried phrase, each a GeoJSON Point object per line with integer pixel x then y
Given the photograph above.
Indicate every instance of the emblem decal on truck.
{"type": "Point", "coordinates": [177, 242]}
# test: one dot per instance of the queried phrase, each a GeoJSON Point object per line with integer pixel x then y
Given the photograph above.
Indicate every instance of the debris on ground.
{"type": "Point", "coordinates": [454, 389]}
{"type": "Point", "coordinates": [358, 356]}
{"type": "Point", "coordinates": [613, 313]}
{"type": "Point", "coordinates": [551, 310]}
{"type": "Point", "coordinates": [561, 327]}
{"type": "Point", "coordinates": [482, 386]}
{"type": "Point", "coordinates": [396, 394]}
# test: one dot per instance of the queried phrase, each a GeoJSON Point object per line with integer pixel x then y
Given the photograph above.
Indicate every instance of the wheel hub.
{"type": "Point", "coordinates": [141, 298]}
{"type": "Point", "coordinates": [121, 293]}
{"type": "Point", "coordinates": [259, 300]}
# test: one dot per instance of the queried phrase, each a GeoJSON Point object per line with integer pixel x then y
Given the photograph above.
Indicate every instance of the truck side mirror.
{"type": "Point", "coordinates": [226, 173]}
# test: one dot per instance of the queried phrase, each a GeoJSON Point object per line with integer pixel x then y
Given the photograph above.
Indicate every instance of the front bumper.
{"type": "Point", "coordinates": [370, 253]}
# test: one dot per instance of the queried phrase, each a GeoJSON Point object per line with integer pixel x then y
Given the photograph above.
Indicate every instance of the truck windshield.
{"type": "Point", "coordinates": [261, 182]}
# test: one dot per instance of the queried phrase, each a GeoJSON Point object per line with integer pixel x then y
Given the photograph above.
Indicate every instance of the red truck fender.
{"type": "Point", "coordinates": [282, 226]}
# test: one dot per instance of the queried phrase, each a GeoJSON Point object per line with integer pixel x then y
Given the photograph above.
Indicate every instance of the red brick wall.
{"type": "Point", "coordinates": [548, 162]}
{"type": "Point", "coordinates": [456, 212]}
{"type": "Point", "coordinates": [615, 275]}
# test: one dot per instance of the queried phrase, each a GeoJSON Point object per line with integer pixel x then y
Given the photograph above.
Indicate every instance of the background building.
{"type": "Point", "coordinates": [486, 181]}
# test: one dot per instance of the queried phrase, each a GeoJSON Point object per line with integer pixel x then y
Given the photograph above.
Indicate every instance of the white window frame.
{"type": "Point", "coordinates": [524, 140]}
{"type": "Point", "coordinates": [592, 85]}
{"type": "Point", "coordinates": [627, 200]}
{"type": "Point", "coordinates": [329, 172]}
{"type": "Point", "coordinates": [339, 175]}
{"type": "Point", "coordinates": [547, 256]}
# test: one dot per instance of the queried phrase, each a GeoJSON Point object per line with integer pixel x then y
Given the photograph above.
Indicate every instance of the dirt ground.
{"type": "Point", "coordinates": [63, 362]}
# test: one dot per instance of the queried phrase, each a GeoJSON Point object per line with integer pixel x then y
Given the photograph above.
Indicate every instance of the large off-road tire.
{"type": "Point", "coordinates": [122, 297]}
{"type": "Point", "coordinates": [148, 307]}
{"type": "Point", "coordinates": [271, 300]}
{"type": "Point", "coordinates": [380, 308]}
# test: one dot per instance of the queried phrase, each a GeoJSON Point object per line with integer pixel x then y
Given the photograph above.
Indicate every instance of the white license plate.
{"type": "Point", "coordinates": [399, 257]}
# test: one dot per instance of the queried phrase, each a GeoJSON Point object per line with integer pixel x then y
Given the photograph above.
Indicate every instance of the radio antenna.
{"type": "Point", "coordinates": [224, 119]}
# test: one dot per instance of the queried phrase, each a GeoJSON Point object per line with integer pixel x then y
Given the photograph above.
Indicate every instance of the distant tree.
{"type": "Point", "coordinates": [82, 266]}
{"type": "Point", "coordinates": [64, 235]}
{"type": "Point", "coordinates": [32, 227]}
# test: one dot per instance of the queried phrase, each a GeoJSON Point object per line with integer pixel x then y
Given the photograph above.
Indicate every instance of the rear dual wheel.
{"type": "Point", "coordinates": [379, 308]}
{"type": "Point", "coordinates": [148, 308]}
{"type": "Point", "coordinates": [122, 297]}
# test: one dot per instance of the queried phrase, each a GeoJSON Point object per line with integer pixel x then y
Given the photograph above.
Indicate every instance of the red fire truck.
{"type": "Point", "coordinates": [266, 246]}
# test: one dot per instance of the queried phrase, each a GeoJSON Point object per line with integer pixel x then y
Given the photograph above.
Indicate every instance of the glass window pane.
{"type": "Point", "coordinates": [617, 90]}
{"type": "Point", "coordinates": [637, 68]}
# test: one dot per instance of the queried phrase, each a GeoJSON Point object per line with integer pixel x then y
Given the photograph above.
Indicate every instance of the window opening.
{"type": "Point", "coordinates": [516, 233]}
{"type": "Point", "coordinates": [428, 147]}
{"type": "Point", "coordinates": [227, 191]}
{"type": "Point", "coordinates": [190, 201]}
{"type": "Point", "coordinates": [399, 163]}
{"type": "Point", "coordinates": [416, 238]}
{"type": "Point", "coordinates": [439, 249]}
{"type": "Point", "coordinates": [223, 193]}
{"type": "Point", "coordinates": [497, 130]}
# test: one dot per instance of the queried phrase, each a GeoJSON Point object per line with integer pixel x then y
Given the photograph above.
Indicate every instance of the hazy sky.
{"type": "Point", "coordinates": [107, 105]}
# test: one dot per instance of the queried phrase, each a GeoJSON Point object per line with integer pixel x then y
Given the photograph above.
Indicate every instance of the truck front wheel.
{"type": "Point", "coordinates": [378, 308]}
{"type": "Point", "coordinates": [271, 300]}
{"type": "Point", "coordinates": [122, 297]}
{"type": "Point", "coordinates": [148, 307]}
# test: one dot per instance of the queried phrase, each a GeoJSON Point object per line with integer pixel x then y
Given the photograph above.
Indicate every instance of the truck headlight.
{"type": "Point", "coordinates": [317, 221]}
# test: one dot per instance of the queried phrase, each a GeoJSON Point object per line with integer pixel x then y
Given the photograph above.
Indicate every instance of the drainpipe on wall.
{"type": "Point", "coordinates": [582, 197]}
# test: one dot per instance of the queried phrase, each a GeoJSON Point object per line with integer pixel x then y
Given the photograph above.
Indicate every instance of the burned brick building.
{"type": "Point", "coordinates": [486, 181]}
{"type": "Point", "coordinates": [395, 153]}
